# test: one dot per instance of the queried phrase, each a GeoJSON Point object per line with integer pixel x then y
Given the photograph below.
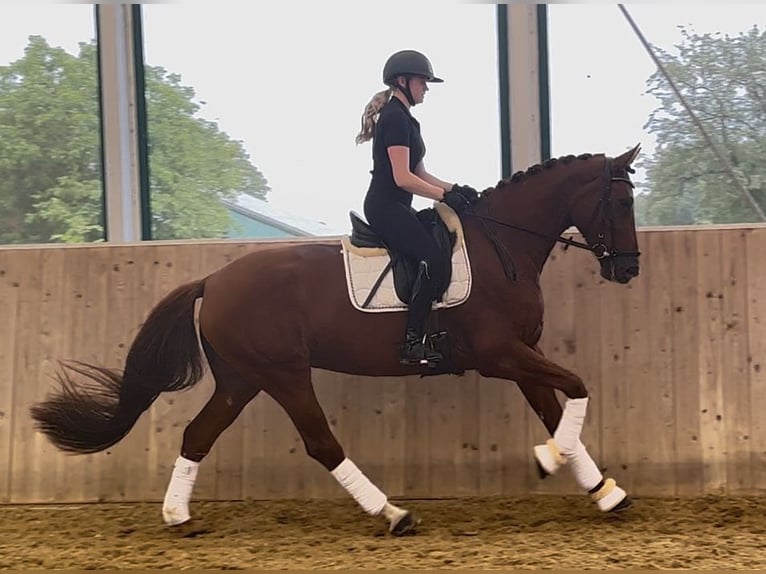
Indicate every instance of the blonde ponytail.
{"type": "Point", "coordinates": [370, 115]}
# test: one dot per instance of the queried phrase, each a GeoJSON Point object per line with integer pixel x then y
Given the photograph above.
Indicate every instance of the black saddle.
{"type": "Point", "coordinates": [406, 270]}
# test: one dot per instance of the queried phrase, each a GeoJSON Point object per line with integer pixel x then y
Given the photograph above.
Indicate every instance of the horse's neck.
{"type": "Point", "coordinates": [540, 209]}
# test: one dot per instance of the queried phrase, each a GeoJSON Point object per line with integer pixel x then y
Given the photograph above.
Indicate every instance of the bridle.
{"type": "Point", "coordinates": [601, 248]}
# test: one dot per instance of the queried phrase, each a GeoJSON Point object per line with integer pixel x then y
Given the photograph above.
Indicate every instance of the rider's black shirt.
{"type": "Point", "coordinates": [395, 126]}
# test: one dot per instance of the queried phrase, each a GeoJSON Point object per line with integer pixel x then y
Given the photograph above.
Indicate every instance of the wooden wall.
{"type": "Point", "coordinates": [675, 363]}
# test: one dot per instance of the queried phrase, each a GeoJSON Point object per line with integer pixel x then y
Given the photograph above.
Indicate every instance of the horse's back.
{"type": "Point", "coordinates": [265, 295]}
{"type": "Point", "coordinates": [271, 264]}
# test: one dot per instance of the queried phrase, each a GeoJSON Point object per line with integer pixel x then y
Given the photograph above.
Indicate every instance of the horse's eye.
{"type": "Point", "coordinates": [627, 202]}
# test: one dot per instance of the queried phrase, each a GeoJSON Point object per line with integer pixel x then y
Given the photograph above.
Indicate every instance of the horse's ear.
{"type": "Point", "coordinates": [629, 156]}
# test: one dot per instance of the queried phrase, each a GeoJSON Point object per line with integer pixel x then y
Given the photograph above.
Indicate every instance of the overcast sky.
{"type": "Point", "coordinates": [291, 84]}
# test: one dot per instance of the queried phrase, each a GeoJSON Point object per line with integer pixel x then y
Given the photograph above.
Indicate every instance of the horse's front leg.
{"type": "Point", "coordinates": [604, 492]}
{"type": "Point", "coordinates": [531, 370]}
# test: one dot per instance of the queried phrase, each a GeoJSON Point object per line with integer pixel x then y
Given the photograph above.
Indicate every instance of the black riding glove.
{"type": "Point", "coordinates": [456, 200]}
{"type": "Point", "coordinates": [468, 192]}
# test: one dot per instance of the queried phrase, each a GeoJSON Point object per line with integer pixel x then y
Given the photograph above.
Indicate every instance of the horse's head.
{"type": "Point", "coordinates": [603, 212]}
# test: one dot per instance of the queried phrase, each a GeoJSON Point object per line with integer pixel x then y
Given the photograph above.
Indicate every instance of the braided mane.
{"type": "Point", "coordinates": [538, 168]}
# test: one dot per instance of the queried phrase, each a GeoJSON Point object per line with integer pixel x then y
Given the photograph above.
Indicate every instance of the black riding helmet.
{"type": "Point", "coordinates": [408, 63]}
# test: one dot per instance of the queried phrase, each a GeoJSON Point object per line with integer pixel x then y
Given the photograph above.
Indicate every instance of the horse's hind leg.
{"type": "Point", "coordinates": [231, 395]}
{"type": "Point", "coordinates": [607, 495]}
{"type": "Point", "coordinates": [294, 392]}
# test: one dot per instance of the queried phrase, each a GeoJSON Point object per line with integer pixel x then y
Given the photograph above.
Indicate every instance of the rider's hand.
{"type": "Point", "coordinates": [456, 200]}
{"type": "Point", "coordinates": [468, 192]}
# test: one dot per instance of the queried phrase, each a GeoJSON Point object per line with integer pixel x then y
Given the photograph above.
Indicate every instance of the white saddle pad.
{"type": "Point", "coordinates": [365, 264]}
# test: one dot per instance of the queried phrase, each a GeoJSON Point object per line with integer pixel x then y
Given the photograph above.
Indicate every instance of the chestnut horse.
{"type": "Point", "coordinates": [270, 316]}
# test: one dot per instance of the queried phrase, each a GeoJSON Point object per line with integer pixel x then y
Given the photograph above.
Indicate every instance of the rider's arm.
{"type": "Point", "coordinates": [399, 156]}
{"type": "Point", "coordinates": [423, 174]}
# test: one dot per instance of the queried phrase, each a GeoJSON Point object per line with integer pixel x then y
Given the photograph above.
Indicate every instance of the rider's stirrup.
{"type": "Point", "coordinates": [417, 350]}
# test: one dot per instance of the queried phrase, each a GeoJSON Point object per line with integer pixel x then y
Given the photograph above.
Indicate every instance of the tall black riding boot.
{"type": "Point", "coordinates": [417, 349]}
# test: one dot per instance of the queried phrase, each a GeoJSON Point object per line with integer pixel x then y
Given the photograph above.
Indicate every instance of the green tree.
{"type": "Point", "coordinates": [50, 153]}
{"type": "Point", "coordinates": [723, 79]}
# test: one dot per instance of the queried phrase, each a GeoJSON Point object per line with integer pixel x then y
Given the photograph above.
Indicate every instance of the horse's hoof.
{"type": "Point", "coordinates": [610, 497]}
{"type": "Point", "coordinates": [174, 521]}
{"type": "Point", "coordinates": [191, 528]}
{"type": "Point", "coordinates": [175, 514]}
{"type": "Point", "coordinates": [624, 504]}
{"type": "Point", "coordinates": [548, 459]}
{"type": "Point", "coordinates": [405, 525]}
{"type": "Point", "coordinates": [542, 474]}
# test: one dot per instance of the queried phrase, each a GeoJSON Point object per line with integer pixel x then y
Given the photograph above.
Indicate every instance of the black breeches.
{"type": "Point", "coordinates": [400, 229]}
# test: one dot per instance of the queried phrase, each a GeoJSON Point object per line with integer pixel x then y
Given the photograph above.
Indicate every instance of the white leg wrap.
{"type": "Point", "coordinates": [369, 496]}
{"type": "Point", "coordinates": [567, 434]}
{"type": "Point", "coordinates": [609, 495]}
{"type": "Point", "coordinates": [549, 457]}
{"type": "Point", "coordinates": [585, 471]}
{"type": "Point", "coordinates": [175, 507]}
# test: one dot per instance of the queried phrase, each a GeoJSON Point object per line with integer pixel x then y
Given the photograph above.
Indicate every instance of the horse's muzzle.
{"type": "Point", "coordinates": [620, 269]}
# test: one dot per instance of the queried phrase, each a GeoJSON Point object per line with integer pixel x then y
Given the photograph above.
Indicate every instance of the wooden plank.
{"type": "Point", "coordinates": [253, 458]}
{"type": "Point", "coordinates": [756, 360]}
{"type": "Point", "coordinates": [418, 436]}
{"type": "Point", "coordinates": [609, 447]}
{"type": "Point", "coordinates": [735, 368]}
{"type": "Point", "coordinates": [370, 438]}
{"type": "Point", "coordinates": [710, 308]}
{"type": "Point", "coordinates": [467, 459]}
{"type": "Point", "coordinates": [43, 459]}
{"type": "Point", "coordinates": [93, 316]}
{"type": "Point", "coordinates": [60, 328]}
{"type": "Point", "coordinates": [25, 274]}
{"type": "Point", "coordinates": [686, 364]}
{"type": "Point", "coordinates": [444, 424]}
{"type": "Point", "coordinates": [394, 438]}
{"type": "Point", "coordinates": [370, 428]}
{"type": "Point", "coordinates": [654, 398]}
{"type": "Point", "coordinates": [493, 434]}
{"type": "Point", "coordinates": [519, 471]}
{"type": "Point", "coordinates": [284, 454]}
{"type": "Point", "coordinates": [272, 477]}
{"type": "Point", "coordinates": [637, 372]}
{"type": "Point", "coordinates": [558, 338]}
{"type": "Point", "coordinates": [9, 295]}
{"type": "Point", "coordinates": [358, 425]}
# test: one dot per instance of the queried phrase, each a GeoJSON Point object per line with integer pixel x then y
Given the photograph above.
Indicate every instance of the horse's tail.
{"type": "Point", "coordinates": [101, 409]}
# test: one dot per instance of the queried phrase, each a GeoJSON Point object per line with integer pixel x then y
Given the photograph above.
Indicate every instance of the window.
{"type": "Point", "coordinates": [607, 95]}
{"type": "Point", "coordinates": [50, 150]}
{"type": "Point", "coordinates": [252, 110]}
